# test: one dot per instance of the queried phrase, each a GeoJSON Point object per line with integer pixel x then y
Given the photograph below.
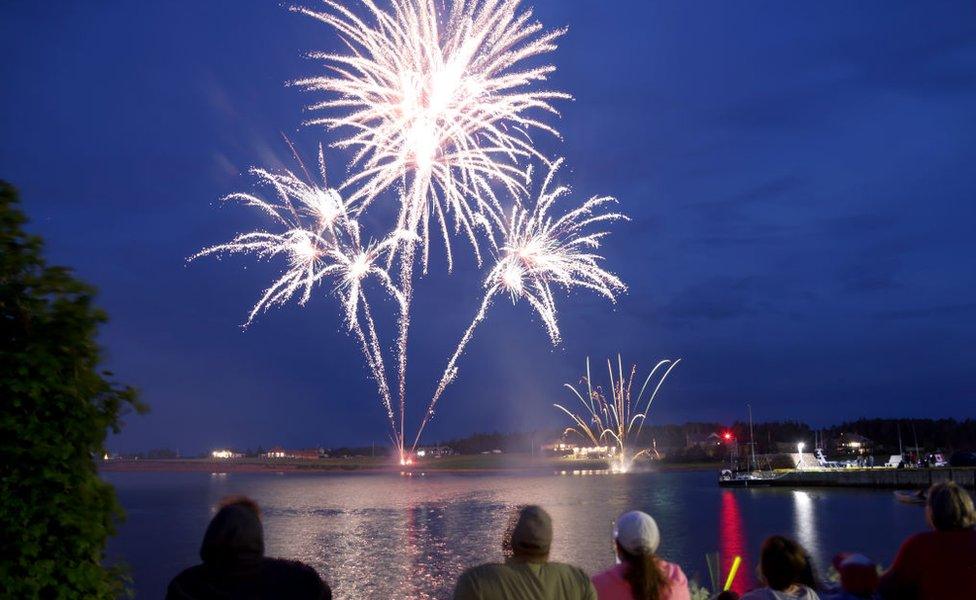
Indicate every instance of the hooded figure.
{"type": "Point", "coordinates": [234, 565]}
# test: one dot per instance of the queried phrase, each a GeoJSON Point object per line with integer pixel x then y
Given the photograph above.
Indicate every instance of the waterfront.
{"type": "Point", "coordinates": [387, 535]}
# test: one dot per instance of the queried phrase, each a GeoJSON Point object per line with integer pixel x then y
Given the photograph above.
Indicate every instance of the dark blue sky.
{"type": "Point", "coordinates": [799, 176]}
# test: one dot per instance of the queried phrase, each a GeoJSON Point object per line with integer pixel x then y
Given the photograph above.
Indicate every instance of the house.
{"type": "Point", "coordinates": [279, 452]}
{"type": "Point", "coordinates": [223, 454]}
{"type": "Point", "coordinates": [569, 450]}
{"type": "Point", "coordinates": [853, 443]}
{"type": "Point", "coordinates": [435, 451]}
{"type": "Point", "coordinates": [703, 440]}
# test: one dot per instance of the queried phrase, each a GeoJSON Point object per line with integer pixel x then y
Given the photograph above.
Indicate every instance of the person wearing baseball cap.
{"type": "Point", "coordinates": [640, 574]}
{"type": "Point", "coordinates": [527, 574]}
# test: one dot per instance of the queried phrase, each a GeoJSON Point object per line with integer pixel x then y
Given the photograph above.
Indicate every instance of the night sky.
{"type": "Point", "coordinates": [800, 178]}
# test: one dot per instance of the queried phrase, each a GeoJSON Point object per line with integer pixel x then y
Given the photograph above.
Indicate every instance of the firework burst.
{"type": "Point", "coordinates": [540, 251]}
{"type": "Point", "coordinates": [437, 101]}
{"type": "Point", "coordinates": [441, 96]}
{"type": "Point", "coordinates": [319, 241]}
{"type": "Point", "coordinates": [616, 420]}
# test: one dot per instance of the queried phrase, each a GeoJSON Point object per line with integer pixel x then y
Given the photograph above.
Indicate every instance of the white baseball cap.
{"type": "Point", "coordinates": [637, 533]}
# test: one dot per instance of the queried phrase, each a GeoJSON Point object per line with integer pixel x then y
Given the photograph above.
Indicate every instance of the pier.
{"type": "Point", "coordinates": [876, 477]}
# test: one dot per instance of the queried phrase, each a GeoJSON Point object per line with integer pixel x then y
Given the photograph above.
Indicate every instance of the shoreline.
{"type": "Point", "coordinates": [511, 463]}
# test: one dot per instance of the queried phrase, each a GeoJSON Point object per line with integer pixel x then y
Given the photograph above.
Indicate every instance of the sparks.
{"type": "Point", "coordinates": [538, 252]}
{"type": "Point", "coordinates": [438, 108]}
{"type": "Point", "coordinates": [616, 420]}
{"type": "Point", "coordinates": [319, 241]}
{"type": "Point", "coordinates": [445, 99]}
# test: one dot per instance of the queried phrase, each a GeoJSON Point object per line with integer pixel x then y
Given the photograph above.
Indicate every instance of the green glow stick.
{"type": "Point", "coordinates": [735, 569]}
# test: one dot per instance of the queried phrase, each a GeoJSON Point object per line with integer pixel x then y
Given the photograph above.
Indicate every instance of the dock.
{"type": "Point", "coordinates": [905, 479]}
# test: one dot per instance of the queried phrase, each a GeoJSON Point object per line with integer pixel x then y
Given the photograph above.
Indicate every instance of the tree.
{"type": "Point", "coordinates": [56, 407]}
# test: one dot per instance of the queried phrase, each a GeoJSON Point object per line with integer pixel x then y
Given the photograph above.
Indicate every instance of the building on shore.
{"type": "Point", "coordinates": [570, 450]}
{"type": "Point", "coordinates": [435, 451]}
{"type": "Point", "coordinates": [307, 454]}
{"type": "Point", "coordinates": [224, 454]}
{"type": "Point", "coordinates": [853, 443]}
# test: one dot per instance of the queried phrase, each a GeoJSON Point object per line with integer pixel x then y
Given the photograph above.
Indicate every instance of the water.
{"type": "Point", "coordinates": [392, 536]}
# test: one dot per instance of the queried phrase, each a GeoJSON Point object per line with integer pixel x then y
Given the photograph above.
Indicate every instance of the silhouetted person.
{"type": "Point", "coordinates": [787, 571]}
{"type": "Point", "coordinates": [939, 564]}
{"type": "Point", "coordinates": [858, 577]}
{"type": "Point", "coordinates": [234, 565]}
{"type": "Point", "coordinates": [527, 574]}
{"type": "Point", "coordinates": [641, 575]}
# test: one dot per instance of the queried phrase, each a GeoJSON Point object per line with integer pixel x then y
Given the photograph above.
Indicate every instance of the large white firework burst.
{"type": "Point", "coordinates": [437, 101]}
{"type": "Point", "coordinates": [442, 94]}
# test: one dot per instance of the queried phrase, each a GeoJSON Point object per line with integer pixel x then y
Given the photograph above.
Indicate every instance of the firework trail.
{"type": "Point", "coordinates": [439, 107]}
{"type": "Point", "coordinates": [540, 251]}
{"type": "Point", "coordinates": [319, 241]}
{"type": "Point", "coordinates": [614, 419]}
{"type": "Point", "coordinates": [436, 104]}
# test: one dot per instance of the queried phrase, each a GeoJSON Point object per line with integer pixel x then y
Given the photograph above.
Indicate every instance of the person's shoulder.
{"type": "Point", "coordinates": [569, 571]}
{"type": "Point", "coordinates": [185, 582]}
{"type": "Point", "coordinates": [921, 541]}
{"type": "Point", "coordinates": [487, 570]}
{"type": "Point", "coordinates": [492, 567]}
{"type": "Point", "coordinates": [674, 573]}
{"type": "Point", "coordinates": [566, 568]}
{"type": "Point", "coordinates": [758, 594]}
{"type": "Point", "coordinates": [808, 593]}
{"type": "Point", "coordinates": [304, 580]}
{"type": "Point", "coordinates": [614, 573]}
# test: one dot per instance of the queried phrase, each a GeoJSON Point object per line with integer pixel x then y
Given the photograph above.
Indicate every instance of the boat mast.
{"type": "Point", "coordinates": [752, 439]}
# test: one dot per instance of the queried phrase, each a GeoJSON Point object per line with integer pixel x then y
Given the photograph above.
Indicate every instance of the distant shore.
{"type": "Point", "coordinates": [460, 464]}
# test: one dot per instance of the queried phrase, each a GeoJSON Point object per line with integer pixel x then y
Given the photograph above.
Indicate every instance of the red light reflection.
{"type": "Point", "coordinates": [732, 543]}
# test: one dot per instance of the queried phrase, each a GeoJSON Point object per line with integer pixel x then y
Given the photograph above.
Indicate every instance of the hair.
{"type": "Point", "coordinates": [647, 580]}
{"type": "Point", "coordinates": [784, 563]}
{"type": "Point", "coordinates": [242, 501]}
{"type": "Point", "coordinates": [950, 507]}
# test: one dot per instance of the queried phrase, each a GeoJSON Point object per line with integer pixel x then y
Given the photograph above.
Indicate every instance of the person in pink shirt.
{"type": "Point", "coordinates": [640, 574]}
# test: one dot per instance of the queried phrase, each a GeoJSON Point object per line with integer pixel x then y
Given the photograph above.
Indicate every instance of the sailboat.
{"type": "Point", "coordinates": [753, 475]}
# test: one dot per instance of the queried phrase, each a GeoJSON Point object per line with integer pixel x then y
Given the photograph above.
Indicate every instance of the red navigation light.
{"type": "Point", "coordinates": [728, 436]}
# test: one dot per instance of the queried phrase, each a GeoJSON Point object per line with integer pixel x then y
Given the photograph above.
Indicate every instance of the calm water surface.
{"type": "Point", "coordinates": [393, 536]}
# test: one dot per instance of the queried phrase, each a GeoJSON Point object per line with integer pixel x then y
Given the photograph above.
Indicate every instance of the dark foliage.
{"type": "Point", "coordinates": [57, 406]}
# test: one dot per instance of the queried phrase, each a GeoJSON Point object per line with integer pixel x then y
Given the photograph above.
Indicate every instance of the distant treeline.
{"type": "Point", "coordinates": [678, 440]}
{"type": "Point", "coordinates": [686, 443]}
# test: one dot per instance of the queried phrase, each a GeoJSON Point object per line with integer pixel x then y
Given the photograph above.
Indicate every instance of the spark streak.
{"type": "Point", "coordinates": [538, 252]}
{"type": "Point", "coordinates": [620, 418]}
{"type": "Point", "coordinates": [319, 241]}
{"type": "Point", "coordinates": [437, 101]}
{"type": "Point", "coordinates": [445, 104]}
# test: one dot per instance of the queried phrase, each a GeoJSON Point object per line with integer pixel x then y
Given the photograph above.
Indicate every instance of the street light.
{"type": "Point", "coordinates": [799, 453]}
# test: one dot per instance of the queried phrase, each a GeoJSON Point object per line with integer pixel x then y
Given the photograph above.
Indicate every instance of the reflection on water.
{"type": "Point", "coordinates": [804, 522]}
{"type": "Point", "coordinates": [386, 535]}
{"type": "Point", "coordinates": [732, 542]}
